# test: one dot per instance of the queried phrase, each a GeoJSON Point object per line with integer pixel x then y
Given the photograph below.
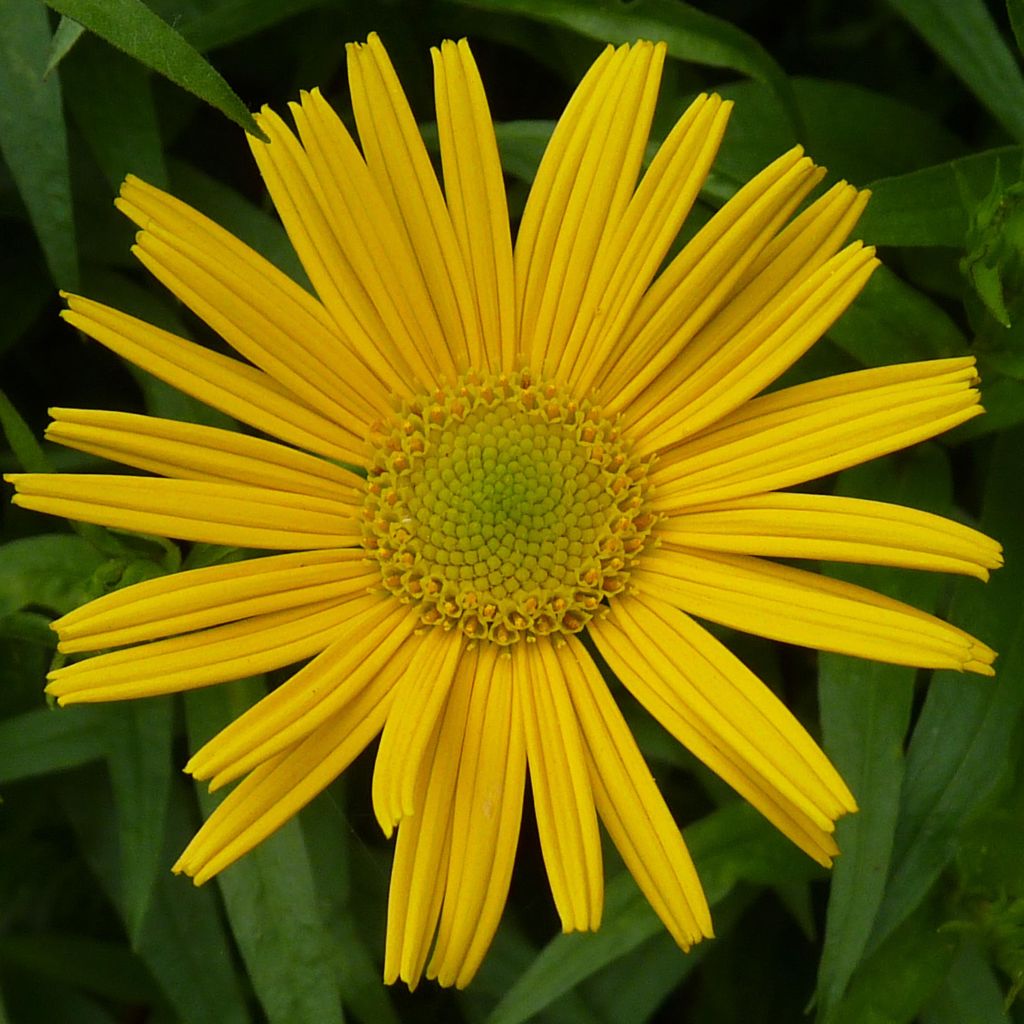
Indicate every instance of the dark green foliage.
{"type": "Point", "coordinates": [923, 917]}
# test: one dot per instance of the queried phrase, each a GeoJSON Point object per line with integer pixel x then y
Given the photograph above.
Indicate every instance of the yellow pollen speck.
{"type": "Point", "coordinates": [505, 508]}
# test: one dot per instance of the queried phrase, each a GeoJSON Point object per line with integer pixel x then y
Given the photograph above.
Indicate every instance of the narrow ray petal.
{"type": "Point", "coordinates": [233, 387]}
{"type": "Point", "coordinates": [188, 451]}
{"type": "Point", "coordinates": [256, 644]}
{"type": "Point", "coordinates": [562, 796]}
{"type": "Point", "coordinates": [262, 313]}
{"type": "Point", "coordinates": [372, 634]}
{"type": "Point", "coordinates": [239, 515]}
{"type": "Point", "coordinates": [632, 809]}
{"type": "Point", "coordinates": [701, 279]}
{"type": "Point", "coordinates": [485, 822]}
{"type": "Point", "coordinates": [804, 608]}
{"type": "Point", "coordinates": [717, 708]}
{"type": "Point", "coordinates": [420, 870]}
{"type": "Point", "coordinates": [419, 701]}
{"type": "Point", "coordinates": [636, 245]}
{"type": "Point", "coordinates": [821, 526]}
{"type": "Point", "coordinates": [301, 202]}
{"type": "Point", "coordinates": [475, 192]}
{"type": "Point", "coordinates": [582, 187]}
{"type": "Point", "coordinates": [212, 596]}
{"type": "Point", "coordinates": [808, 431]}
{"type": "Point", "coordinates": [373, 239]}
{"type": "Point", "coordinates": [722, 368]}
{"type": "Point", "coordinates": [278, 789]}
{"type": "Point", "coordinates": [398, 160]}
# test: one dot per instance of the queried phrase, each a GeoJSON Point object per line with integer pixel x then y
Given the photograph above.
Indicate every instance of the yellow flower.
{"type": "Point", "coordinates": [492, 461]}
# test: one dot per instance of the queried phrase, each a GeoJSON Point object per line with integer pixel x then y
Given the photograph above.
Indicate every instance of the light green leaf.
{"type": "Point", "coordinates": [27, 450]}
{"type": "Point", "coordinates": [691, 34]}
{"type": "Point", "coordinates": [962, 741]}
{"type": "Point", "coordinates": [926, 207]}
{"type": "Point", "coordinates": [131, 26]}
{"type": "Point", "coordinates": [43, 741]}
{"type": "Point", "coordinates": [965, 36]}
{"type": "Point", "coordinates": [49, 570]}
{"type": "Point", "coordinates": [865, 712]}
{"type": "Point", "coordinates": [68, 33]}
{"type": "Point", "coordinates": [32, 135]}
{"type": "Point", "coordinates": [139, 760]}
{"type": "Point", "coordinates": [269, 895]}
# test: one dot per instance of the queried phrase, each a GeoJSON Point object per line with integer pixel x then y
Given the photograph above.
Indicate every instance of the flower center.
{"type": "Point", "coordinates": [505, 508]}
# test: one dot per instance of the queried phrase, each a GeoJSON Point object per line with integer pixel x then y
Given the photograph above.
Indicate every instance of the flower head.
{"type": "Point", "coordinates": [490, 461]}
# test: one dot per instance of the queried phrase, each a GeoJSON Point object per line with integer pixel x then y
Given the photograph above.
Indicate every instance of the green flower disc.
{"type": "Point", "coordinates": [505, 508]}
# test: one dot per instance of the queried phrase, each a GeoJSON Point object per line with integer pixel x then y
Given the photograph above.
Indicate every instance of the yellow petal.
{"type": "Point", "coordinates": [804, 608]}
{"type": "Point", "coordinates": [240, 390]}
{"type": "Point", "coordinates": [232, 651]}
{"type": "Point", "coordinates": [581, 189]}
{"type": "Point", "coordinates": [372, 238]}
{"type": "Point", "coordinates": [374, 632]}
{"type": "Point", "coordinates": [420, 700]}
{"type": "Point", "coordinates": [189, 451]}
{"type": "Point", "coordinates": [703, 277]}
{"type": "Point", "coordinates": [822, 526]}
{"type": "Point", "coordinates": [562, 796]}
{"type": "Point", "coordinates": [200, 598]}
{"type": "Point", "coordinates": [398, 160]}
{"type": "Point", "coordinates": [632, 809]}
{"type": "Point", "coordinates": [238, 515]}
{"type": "Point", "coordinates": [635, 246]}
{"type": "Point", "coordinates": [420, 870]}
{"type": "Point", "coordinates": [739, 355]}
{"type": "Point", "coordinates": [727, 717]}
{"type": "Point", "coordinates": [258, 310]}
{"type": "Point", "coordinates": [475, 192]}
{"type": "Point", "coordinates": [485, 822]}
{"type": "Point", "coordinates": [807, 431]}
{"type": "Point", "coordinates": [275, 791]}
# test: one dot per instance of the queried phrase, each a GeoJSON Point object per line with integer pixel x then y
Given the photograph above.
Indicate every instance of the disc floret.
{"type": "Point", "coordinates": [505, 507]}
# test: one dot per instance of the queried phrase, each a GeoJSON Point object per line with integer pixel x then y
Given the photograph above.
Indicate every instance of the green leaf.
{"type": "Point", "coordinates": [68, 33]}
{"type": "Point", "coordinates": [858, 134]}
{"type": "Point", "coordinates": [27, 450]}
{"type": "Point", "coordinates": [521, 145]}
{"type": "Point", "coordinates": [890, 321]}
{"type": "Point", "coordinates": [965, 36]}
{"type": "Point", "coordinates": [269, 895]}
{"type": "Point", "coordinates": [102, 968]}
{"type": "Point", "coordinates": [865, 712]}
{"type": "Point", "coordinates": [969, 992]}
{"type": "Point", "coordinates": [49, 570]}
{"type": "Point", "coordinates": [231, 20]}
{"type": "Point", "coordinates": [926, 207]}
{"type": "Point", "coordinates": [963, 738]}
{"type": "Point", "coordinates": [894, 984]}
{"type": "Point", "coordinates": [1015, 10]}
{"type": "Point", "coordinates": [731, 845]}
{"type": "Point", "coordinates": [182, 942]}
{"type": "Point", "coordinates": [691, 34]}
{"type": "Point", "coordinates": [43, 741]}
{"type": "Point", "coordinates": [139, 760]}
{"type": "Point", "coordinates": [131, 26]}
{"type": "Point", "coordinates": [109, 97]}
{"type": "Point", "coordinates": [32, 135]}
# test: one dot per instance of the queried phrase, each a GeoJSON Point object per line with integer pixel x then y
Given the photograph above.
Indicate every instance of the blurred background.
{"type": "Point", "coordinates": [923, 916]}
